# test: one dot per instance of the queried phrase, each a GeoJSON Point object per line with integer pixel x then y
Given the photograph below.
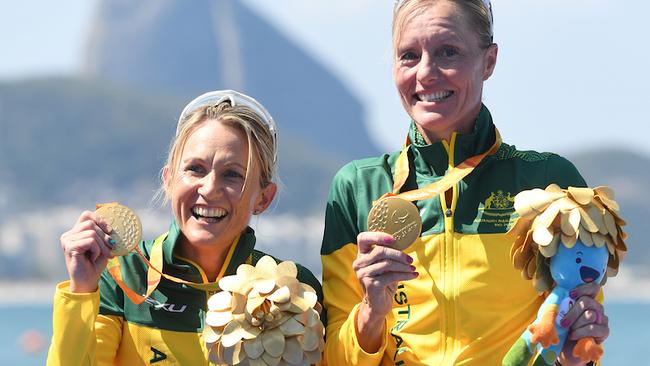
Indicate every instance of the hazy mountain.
{"type": "Point", "coordinates": [68, 143]}
{"type": "Point", "coordinates": [184, 48]}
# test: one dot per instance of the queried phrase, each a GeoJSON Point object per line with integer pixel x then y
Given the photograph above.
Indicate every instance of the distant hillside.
{"type": "Point", "coordinates": [74, 141]}
{"type": "Point", "coordinates": [629, 175]}
{"type": "Point", "coordinates": [184, 48]}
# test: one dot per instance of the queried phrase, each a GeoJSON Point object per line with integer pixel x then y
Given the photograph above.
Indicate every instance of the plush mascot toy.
{"type": "Point", "coordinates": [564, 238]}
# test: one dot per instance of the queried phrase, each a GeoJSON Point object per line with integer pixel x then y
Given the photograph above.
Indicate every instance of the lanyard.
{"type": "Point", "coordinates": [154, 272]}
{"type": "Point", "coordinates": [453, 175]}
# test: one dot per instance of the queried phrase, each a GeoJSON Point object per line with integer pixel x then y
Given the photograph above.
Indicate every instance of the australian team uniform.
{"type": "Point", "coordinates": [106, 328]}
{"type": "Point", "coordinates": [468, 305]}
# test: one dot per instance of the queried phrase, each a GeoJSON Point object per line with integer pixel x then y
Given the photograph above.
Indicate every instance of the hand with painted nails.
{"type": "Point", "coordinates": [86, 248]}
{"type": "Point", "coordinates": [379, 268]}
{"type": "Point", "coordinates": [585, 319]}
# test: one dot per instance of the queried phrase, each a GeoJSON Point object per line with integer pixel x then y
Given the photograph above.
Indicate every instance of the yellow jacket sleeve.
{"type": "Point", "coordinates": [80, 336]}
{"type": "Point", "coordinates": [342, 297]}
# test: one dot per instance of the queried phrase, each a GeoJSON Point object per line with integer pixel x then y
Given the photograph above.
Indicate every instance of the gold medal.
{"type": "Point", "coordinates": [127, 229]}
{"type": "Point", "coordinates": [397, 217]}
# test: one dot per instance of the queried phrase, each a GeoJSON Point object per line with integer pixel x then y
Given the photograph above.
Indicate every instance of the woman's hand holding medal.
{"type": "Point", "coordinates": [380, 264]}
{"type": "Point", "coordinates": [379, 268]}
{"type": "Point", "coordinates": [112, 230]}
{"type": "Point", "coordinates": [87, 248]}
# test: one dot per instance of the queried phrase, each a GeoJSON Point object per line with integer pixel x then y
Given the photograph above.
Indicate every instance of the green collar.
{"type": "Point", "coordinates": [433, 159]}
{"type": "Point", "coordinates": [244, 249]}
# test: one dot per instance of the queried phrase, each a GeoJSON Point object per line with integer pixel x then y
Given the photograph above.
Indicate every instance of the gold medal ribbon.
{"type": "Point", "coordinates": [154, 273]}
{"type": "Point", "coordinates": [453, 176]}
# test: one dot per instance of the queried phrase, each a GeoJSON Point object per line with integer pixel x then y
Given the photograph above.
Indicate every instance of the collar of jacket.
{"type": "Point", "coordinates": [433, 159]}
{"type": "Point", "coordinates": [244, 249]}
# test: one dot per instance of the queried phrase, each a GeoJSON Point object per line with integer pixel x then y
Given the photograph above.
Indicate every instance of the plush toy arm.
{"type": "Point", "coordinates": [586, 349]}
{"type": "Point", "coordinates": [543, 331]}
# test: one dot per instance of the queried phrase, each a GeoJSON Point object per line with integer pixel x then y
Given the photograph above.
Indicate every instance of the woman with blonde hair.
{"type": "Point", "coordinates": [452, 297]}
{"type": "Point", "coordinates": [220, 171]}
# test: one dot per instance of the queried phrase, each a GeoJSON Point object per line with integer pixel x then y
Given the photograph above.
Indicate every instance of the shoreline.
{"type": "Point", "coordinates": [26, 292]}
{"type": "Point", "coordinates": [621, 289]}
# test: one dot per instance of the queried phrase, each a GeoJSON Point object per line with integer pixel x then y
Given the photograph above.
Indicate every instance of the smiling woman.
{"type": "Point", "coordinates": [439, 69]}
{"type": "Point", "coordinates": [214, 184]}
{"type": "Point", "coordinates": [219, 172]}
{"type": "Point", "coordinates": [451, 297]}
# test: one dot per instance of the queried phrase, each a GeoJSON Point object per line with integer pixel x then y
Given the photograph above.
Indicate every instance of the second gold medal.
{"type": "Point", "coordinates": [397, 217]}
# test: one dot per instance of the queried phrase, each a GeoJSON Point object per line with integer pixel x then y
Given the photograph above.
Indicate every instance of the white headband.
{"type": "Point", "coordinates": [214, 98]}
{"type": "Point", "coordinates": [486, 3]}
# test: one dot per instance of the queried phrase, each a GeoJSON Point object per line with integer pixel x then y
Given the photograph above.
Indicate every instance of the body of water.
{"type": "Point", "coordinates": [25, 332]}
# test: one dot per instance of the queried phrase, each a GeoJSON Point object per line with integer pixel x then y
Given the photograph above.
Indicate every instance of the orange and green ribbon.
{"type": "Point", "coordinates": [155, 273]}
{"type": "Point", "coordinates": [451, 178]}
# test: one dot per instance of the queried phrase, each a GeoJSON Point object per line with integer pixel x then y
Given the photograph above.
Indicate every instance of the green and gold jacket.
{"type": "Point", "coordinates": [468, 305]}
{"type": "Point", "coordinates": [106, 328]}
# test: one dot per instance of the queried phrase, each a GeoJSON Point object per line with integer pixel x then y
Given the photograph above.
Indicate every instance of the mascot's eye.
{"type": "Point", "coordinates": [578, 260]}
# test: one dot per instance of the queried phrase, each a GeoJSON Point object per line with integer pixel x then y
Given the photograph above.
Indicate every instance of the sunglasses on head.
{"type": "Point", "coordinates": [216, 97]}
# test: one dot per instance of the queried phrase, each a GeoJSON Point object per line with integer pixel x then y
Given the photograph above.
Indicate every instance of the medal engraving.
{"type": "Point", "coordinates": [127, 229]}
{"type": "Point", "coordinates": [398, 217]}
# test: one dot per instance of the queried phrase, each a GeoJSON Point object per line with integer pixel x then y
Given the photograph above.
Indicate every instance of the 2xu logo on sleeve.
{"type": "Point", "coordinates": [172, 308]}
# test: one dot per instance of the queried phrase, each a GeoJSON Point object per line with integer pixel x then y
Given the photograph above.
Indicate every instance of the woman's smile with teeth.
{"type": "Point", "coordinates": [434, 97]}
{"type": "Point", "coordinates": [208, 213]}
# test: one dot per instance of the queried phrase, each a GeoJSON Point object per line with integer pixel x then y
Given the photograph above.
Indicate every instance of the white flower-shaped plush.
{"type": "Point", "coordinates": [264, 316]}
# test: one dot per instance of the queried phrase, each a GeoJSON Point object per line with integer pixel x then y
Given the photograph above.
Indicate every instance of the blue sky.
{"type": "Point", "coordinates": [571, 74]}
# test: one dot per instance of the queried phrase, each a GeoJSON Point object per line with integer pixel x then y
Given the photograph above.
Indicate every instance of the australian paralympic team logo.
{"type": "Point", "coordinates": [499, 201]}
{"type": "Point", "coordinates": [498, 210]}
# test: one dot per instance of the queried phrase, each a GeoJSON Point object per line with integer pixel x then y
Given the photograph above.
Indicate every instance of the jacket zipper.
{"type": "Point", "coordinates": [450, 265]}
